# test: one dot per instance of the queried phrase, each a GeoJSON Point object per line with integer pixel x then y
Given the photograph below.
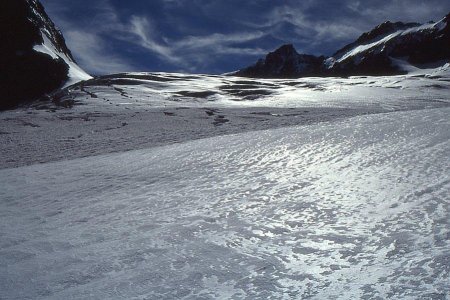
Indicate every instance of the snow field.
{"type": "Point", "coordinates": [348, 209]}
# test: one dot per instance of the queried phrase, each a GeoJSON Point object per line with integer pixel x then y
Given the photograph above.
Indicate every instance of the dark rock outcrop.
{"type": "Point", "coordinates": [285, 62]}
{"type": "Point", "coordinates": [26, 74]}
{"type": "Point", "coordinates": [378, 32]}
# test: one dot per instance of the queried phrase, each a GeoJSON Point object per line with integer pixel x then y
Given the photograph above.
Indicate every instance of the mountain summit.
{"type": "Point", "coordinates": [388, 49]}
{"type": "Point", "coordinates": [34, 58]}
{"type": "Point", "coordinates": [287, 62]}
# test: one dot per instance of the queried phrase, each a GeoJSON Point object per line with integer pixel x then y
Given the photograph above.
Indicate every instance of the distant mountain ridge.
{"type": "Point", "coordinates": [34, 58]}
{"type": "Point", "coordinates": [376, 52]}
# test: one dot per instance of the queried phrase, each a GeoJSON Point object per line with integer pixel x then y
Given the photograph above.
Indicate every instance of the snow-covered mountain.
{"type": "Point", "coordinates": [34, 58]}
{"type": "Point", "coordinates": [388, 49]}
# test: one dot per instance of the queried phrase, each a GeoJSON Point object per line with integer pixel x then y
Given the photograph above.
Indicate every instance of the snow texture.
{"type": "Point", "coordinates": [351, 209]}
{"type": "Point", "coordinates": [141, 110]}
{"type": "Point", "coordinates": [343, 195]}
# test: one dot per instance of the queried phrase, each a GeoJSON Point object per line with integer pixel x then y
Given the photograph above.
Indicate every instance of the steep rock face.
{"type": "Point", "coordinates": [412, 43]}
{"type": "Point", "coordinates": [432, 45]}
{"type": "Point", "coordinates": [285, 62]}
{"type": "Point", "coordinates": [378, 32]}
{"type": "Point", "coordinates": [34, 58]}
{"type": "Point", "coordinates": [373, 53]}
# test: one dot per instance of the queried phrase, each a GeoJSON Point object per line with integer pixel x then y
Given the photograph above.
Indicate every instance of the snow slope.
{"type": "Point", "coordinates": [53, 43]}
{"type": "Point", "coordinates": [76, 74]}
{"type": "Point", "coordinates": [35, 59]}
{"type": "Point", "coordinates": [139, 110]}
{"type": "Point", "coordinates": [380, 44]}
{"type": "Point", "coordinates": [352, 209]}
{"type": "Point", "coordinates": [351, 204]}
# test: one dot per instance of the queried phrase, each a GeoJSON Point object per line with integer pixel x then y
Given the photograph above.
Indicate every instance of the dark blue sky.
{"type": "Point", "coordinates": [216, 36]}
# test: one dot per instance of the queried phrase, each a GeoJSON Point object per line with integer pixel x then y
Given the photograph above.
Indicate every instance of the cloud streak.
{"type": "Point", "coordinates": [140, 27]}
{"type": "Point", "coordinates": [93, 55]}
{"type": "Point", "coordinates": [218, 35]}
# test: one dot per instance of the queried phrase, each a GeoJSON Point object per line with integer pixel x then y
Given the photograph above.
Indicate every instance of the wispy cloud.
{"type": "Point", "coordinates": [219, 35]}
{"type": "Point", "coordinates": [87, 43]}
{"type": "Point", "coordinates": [90, 46]}
{"type": "Point", "coordinates": [216, 39]}
{"type": "Point", "coordinates": [141, 28]}
{"type": "Point", "coordinates": [406, 10]}
{"type": "Point", "coordinates": [93, 55]}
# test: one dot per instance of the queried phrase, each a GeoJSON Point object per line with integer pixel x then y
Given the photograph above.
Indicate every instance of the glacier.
{"type": "Point", "coordinates": [356, 208]}
{"type": "Point", "coordinates": [175, 186]}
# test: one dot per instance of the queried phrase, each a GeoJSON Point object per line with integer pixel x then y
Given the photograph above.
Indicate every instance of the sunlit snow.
{"type": "Point", "coordinates": [76, 74]}
{"type": "Point", "coordinates": [314, 188]}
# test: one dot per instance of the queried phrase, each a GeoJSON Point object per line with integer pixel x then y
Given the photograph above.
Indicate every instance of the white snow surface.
{"type": "Point", "coordinates": [354, 209]}
{"type": "Point", "coordinates": [141, 110]}
{"type": "Point", "coordinates": [235, 188]}
{"type": "Point", "coordinates": [174, 90]}
{"type": "Point", "coordinates": [76, 74]}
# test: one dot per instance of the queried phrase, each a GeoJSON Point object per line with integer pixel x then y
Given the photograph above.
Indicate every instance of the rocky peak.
{"type": "Point", "coordinates": [284, 55]}
{"type": "Point", "coordinates": [284, 62]}
{"type": "Point", "coordinates": [383, 30]}
{"type": "Point", "coordinates": [447, 26]}
{"type": "Point", "coordinates": [285, 51]}
{"type": "Point", "coordinates": [378, 32]}
{"type": "Point", "coordinates": [22, 25]}
{"type": "Point", "coordinates": [34, 58]}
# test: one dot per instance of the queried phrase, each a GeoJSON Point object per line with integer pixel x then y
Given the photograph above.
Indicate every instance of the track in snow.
{"type": "Point", "coordinates": [132, 111]}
